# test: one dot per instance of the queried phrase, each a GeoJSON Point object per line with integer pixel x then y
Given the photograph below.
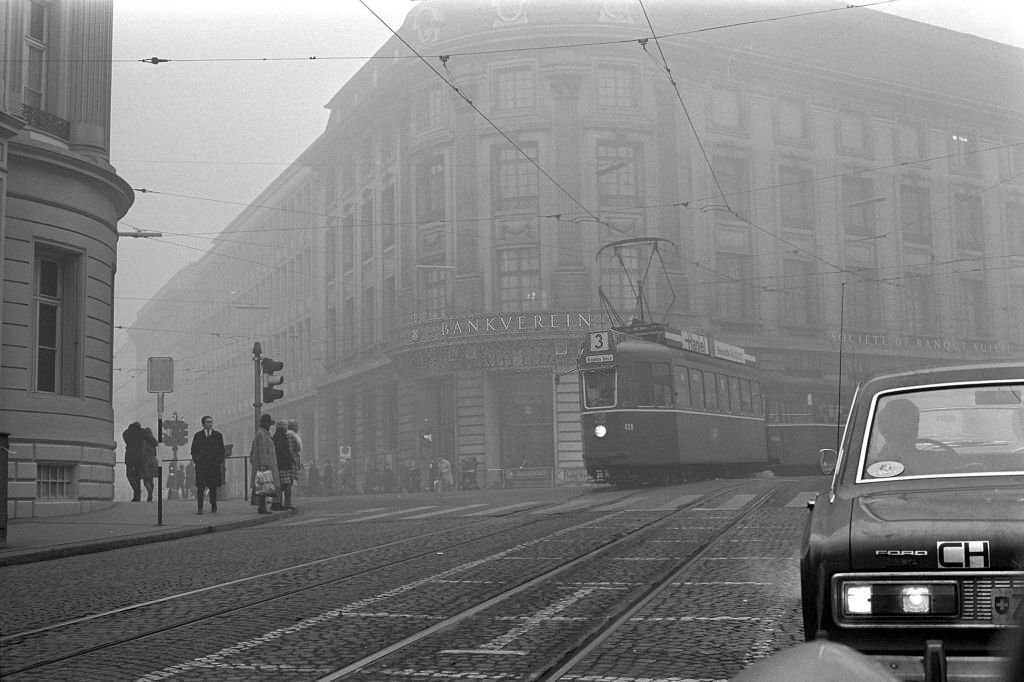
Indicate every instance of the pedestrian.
{"type": "Point", "coordinates": [150, 467]}
{"type": "Point", "coordinates": [133, 458]}
{"type": "Point", "coordinates": [295, 446]}
{"type": "Point", "coordinates": [329, 479]}
{"type": "Point", "coordinates": [182, 490]}
{"type": "Point", "coordinates": [171, 484]}
{"type": "Point", "coordinates": [208, 454]}
{"type": "Point", "coordinates": [413, 476]}
{"type": "Point", "coordinates": [435, 476]}
{"type": "Point", "coordinates": [262, 458]}
{"type": "Point", "coordinates": [190, 477]}
{"type": "Point", "coordinates": [467, 478]}
{"type": "Point", "coordinates": [444, 467]}
{"type": "Point", "coordinates": [285, 472]}
{"type": "Point", "coordinates": [313, 479]}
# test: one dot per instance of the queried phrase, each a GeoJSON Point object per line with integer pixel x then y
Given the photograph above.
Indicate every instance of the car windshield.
{"type": "Point", "coordinates": [945, 431]}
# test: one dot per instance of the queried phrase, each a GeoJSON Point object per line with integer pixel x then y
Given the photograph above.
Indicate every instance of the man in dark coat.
{"type": "Point", "coordinates": [208, 454]}
{"type": "Point", "coordinates": [133, 458]}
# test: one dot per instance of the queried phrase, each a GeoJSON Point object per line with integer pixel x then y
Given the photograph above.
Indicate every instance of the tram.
{"type": "Point", "coordinates": [660, 405]}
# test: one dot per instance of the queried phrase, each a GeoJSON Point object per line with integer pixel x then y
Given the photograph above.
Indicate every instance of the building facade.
{"type": "Point", "coordinates": [60, 201]}
{"type": "Point", "coordinates": [427, 265]}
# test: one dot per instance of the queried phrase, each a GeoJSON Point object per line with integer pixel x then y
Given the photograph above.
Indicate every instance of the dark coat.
{"type": "Point", "coordinates": [133, 450]}
{"type": "Point", "coordinates": [208, 454]}
{"type": "Point", "coordinates": [149, 461]}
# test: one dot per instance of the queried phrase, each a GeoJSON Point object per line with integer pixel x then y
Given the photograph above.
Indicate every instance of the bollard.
{"type": "Point", "coordinates": [159, 496]}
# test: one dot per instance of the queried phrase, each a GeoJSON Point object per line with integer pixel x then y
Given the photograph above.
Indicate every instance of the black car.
{"type": "Point", "coordinates": [915, 554]}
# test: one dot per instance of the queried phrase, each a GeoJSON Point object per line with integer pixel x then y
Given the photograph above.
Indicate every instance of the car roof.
{"type": "Point", "coordinates": [993, 371]}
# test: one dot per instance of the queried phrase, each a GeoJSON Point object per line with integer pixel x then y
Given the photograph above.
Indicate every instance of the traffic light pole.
{"type": "Point", "coordinates": [257, 405]}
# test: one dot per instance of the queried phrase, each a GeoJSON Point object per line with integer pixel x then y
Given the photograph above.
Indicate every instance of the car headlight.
{"type": "Point", "coordinates": [899, 599]}
{"type": "Point", "coordinates": [600, 430]}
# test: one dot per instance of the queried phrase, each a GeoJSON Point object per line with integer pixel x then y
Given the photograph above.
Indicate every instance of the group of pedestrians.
{"type": "Point", "coordinates": [275, 460]}
{"type": "Point", "coordinates": [140, 460]}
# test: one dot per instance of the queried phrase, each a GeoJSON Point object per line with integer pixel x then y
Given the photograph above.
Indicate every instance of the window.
{"type": "Point", "coordinates": [514, 89]}
{"type": "Point", "coordinates": [919, 312]}
{"type": "Point", "coordinates": [57, 326]}
{"type": "Point", "coordinates": [435, 293]}
{"type": "Point", "coordinates": [368, 313]}
{"type": "Point", "coordinates": [683, 394]}
{"type": "Point", "coordinates": [1015, 228]}
{"type": "Point", "coordinates": [642, 384]}
{"type": "Point", "coordinates": [616, 285]}
{"type": "Point", "coordinates": [916, 214]}
{"type": "Point", "coordinates": [36, 47]}
{"type": "Point", "coordinates": [430, 190]}
{"type": "Point", "coordinates": [745, 397]}
{"type": "Point", "coordinates": [727, 108]}
{"type": "Point", "coordinates": [859, 206]}
{"type": "Point", "coordinates": [618, 181]}
{"type": "Point", "coordinates": [972, 317]}
{"type": "Point", "coordinates": [388, 306]}
{"type": "Point", "coordinates": [910, 142]}
{"type": "Point", "coordinates": [599, 388]}
{"type": "Point", "coordinates": [796, 198]}
{"type": "Point", "coordinates": [387, 217]}
{"type": "Point", "coordinates": [791, 120]}
{"type": "Point", "coordinates": [366, 233]}
{"type": "Point", "coordinates": [516, 186]}
{"type": "Point", "coordinates": [348, 241]}
{"type": "Point", "coordinates": [519, 279]}
{"type": "Point", "coordinates": [617, 87]}
{"type": "Point", "coordinates": [863, 296]}
{"type": "Point", "coordinates": [348, 326]}
{"type": "Point", "coordinates": [853, 133]}
{"type": "Point", "coordinates": [967, 221]}
{"type": "Point", "coordinates": [733, 173]}
{"type": "Point", "coordinates": [711, 391]}
{"type": "Point", "coordinates": [697, 388]}
{"type": "Point", "coordinates": [662, 392]}
{"type": "Point", "coordinates": [723, 392]}
{"type": "Point", "coordinates": [962, 151]}
{"type": "Point", "coordinates": [734, 288]}
{"type": "Point", "coordinates": [735, 400]}
{"type": "Point", "coordinates": [54, 481]}
{"type": "Point", "coordinates": [429, 113]}
{"type": "Point", "coordinates": [800, 293]}
{"type": "Point", "coordinates": [370, 420]}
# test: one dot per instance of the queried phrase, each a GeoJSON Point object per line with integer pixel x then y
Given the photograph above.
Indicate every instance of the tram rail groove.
{"type": "Point", "coordinates": [548, 575]}
{"type": "Point", "coordinates": [611, 625]}
{"type": "Point", "coordinates": [613, 540]}
{"type": "Point", "coordinates": [477, 521]}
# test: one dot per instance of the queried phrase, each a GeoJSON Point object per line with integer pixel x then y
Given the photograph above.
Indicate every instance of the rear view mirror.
{"type": "Point", "coordinates": [827, 459]}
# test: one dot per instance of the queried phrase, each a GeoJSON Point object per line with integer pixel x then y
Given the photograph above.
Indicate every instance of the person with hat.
{"type": "Point", "coordinates": [263, 457]}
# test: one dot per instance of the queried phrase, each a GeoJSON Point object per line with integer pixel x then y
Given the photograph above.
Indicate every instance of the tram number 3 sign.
{"type": "Point", "coordinates": [600, 342]}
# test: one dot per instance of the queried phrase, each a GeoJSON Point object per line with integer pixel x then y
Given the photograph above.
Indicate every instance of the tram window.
{"type": "Point", "coordinates": [661, 376]}
{"type": "Point", "coordinates": [755, 396]}
{"type": "Point", "coordinates": [723, 393]}
{"type": "Point", "coordinates": [745, 403]}
{"type": "Point", "coordinates": [734, 395]}
{"type": "Point", "coordinates": [683, 394]}
{"type": "Point", "coordinates": [625, 385]}
{"type": "Point", "coordinates": [642, 387]}
{"type": "Point", "coordinates": [599, 388]}
{"type": "Point", "coordinates": [710, 391]}
{"type": "Point", "coordinates": [697, 388]}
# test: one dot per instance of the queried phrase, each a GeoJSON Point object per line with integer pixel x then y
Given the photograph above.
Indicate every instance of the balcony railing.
{"type": "Point", "coordinates": [46, 122]}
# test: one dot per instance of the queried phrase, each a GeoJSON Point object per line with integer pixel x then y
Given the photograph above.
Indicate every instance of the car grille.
{"type": "Point", "coordinates": [977, 595]}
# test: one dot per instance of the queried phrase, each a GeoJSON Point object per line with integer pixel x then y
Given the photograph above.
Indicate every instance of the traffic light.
{"type": "Point", "coordinates": [271, 382]}
{"type": "Point", "coordinates": [182, 433]}
{"type": "Point", "coordinates": [175, 433]}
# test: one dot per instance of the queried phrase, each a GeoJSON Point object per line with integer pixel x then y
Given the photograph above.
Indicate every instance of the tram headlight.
{"type": "Point", "coordinates": [600, 430]}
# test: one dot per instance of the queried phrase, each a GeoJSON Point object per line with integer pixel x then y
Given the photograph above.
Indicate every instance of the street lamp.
{"type": "Point", "coordinates": [141, 234]}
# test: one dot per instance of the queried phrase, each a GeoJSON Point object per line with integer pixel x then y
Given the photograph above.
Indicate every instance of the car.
{"type": "Point", "coordinates": [914, 555]}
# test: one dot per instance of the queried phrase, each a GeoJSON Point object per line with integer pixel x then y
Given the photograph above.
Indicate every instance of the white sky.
{"type": "Point", "coordinates": [220, 131]}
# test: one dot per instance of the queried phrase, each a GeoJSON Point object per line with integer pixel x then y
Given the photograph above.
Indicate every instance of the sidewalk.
{"type": "Point", "coordinates": [122, 525]}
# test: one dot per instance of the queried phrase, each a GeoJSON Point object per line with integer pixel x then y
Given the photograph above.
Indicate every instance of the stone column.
{"type": "Point", "coordinates": [89, 49]}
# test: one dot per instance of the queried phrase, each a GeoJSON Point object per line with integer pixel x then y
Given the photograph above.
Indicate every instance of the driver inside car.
{"type": "Point", "coordinates": [897, 424]}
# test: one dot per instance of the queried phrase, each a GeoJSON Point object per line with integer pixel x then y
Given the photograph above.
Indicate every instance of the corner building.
{"type": "Point", "coordinates": [60, 200]}
{"type": "Point", "coordinates": [869, 199]}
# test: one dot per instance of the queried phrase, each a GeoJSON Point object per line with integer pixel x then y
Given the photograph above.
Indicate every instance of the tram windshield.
{"type": "Point", "coordinates": [599, 388]}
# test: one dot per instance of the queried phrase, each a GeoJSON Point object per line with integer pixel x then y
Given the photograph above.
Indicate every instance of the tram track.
{"type": "Point", "coordinates": [307, 588]}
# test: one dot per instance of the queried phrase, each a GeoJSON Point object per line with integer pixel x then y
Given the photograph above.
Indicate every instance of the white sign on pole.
{"type": "Point", "coordinates": [160, 375]}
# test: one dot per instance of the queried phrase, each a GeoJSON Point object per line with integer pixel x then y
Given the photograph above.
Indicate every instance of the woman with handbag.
{"type": "Point", "coordinates": [150, 466]}
{"type": "Point", "coordinates": [263, 458]}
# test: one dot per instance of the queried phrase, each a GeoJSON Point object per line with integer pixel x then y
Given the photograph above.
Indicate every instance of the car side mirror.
{"type": "Point", "coordinates": [827, 459]}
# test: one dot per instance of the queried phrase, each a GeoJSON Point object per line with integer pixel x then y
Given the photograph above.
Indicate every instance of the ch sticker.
{"type": "Point", "coordinates": [963, 554]}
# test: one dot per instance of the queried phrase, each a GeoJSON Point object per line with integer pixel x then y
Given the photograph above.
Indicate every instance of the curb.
{"type": "Point", "coordinates": [17, 557]}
